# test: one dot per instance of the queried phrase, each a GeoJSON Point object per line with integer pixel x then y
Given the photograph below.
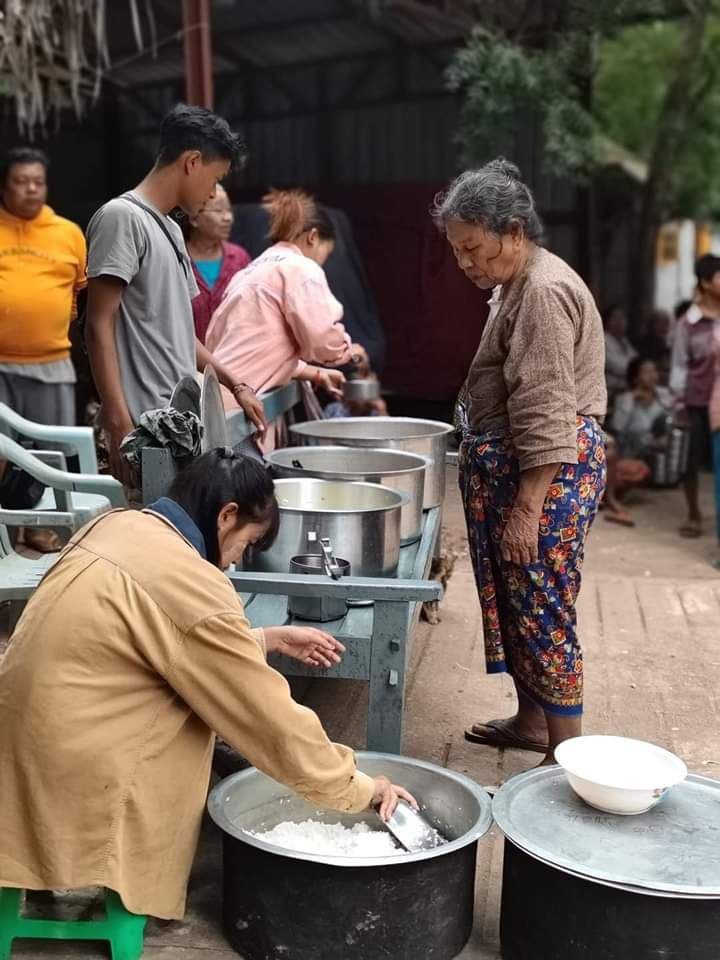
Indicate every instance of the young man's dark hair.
{"type": "Point", "coordinates": [195, 128]}
{"type": "Point", "coordinates": [706, 268]}
{"type": "Point", "coordinates": [21, 155]}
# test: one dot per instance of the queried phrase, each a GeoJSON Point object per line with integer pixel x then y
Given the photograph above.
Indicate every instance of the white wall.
{"type": "Point", "coordinates": [675, 270]}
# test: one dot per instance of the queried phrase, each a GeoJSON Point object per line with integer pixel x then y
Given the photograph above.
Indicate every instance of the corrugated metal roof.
{"type": "Point", "coordinates": [275, 33]}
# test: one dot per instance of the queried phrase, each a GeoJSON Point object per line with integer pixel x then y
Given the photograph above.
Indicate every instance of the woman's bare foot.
{"type": "Point", "coordinates": [692, 528]}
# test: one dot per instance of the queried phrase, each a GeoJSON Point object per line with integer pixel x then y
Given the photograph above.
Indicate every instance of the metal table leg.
{"type": "Point", "coordinates": [387, 676]}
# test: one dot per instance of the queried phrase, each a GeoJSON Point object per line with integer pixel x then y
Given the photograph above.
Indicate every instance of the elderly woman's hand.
{"type": "Point", "coordinates": [520, 540]}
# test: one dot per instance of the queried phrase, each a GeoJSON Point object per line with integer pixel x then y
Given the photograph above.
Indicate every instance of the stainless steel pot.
{"type": "Point", "coordinates": [409, 906]}
{"type": "Point", "coordinates": [361, 520]}
{"type": "Point", "coordinates": [395, 469]}
{"type": "Point", "coordinates": [361, 390]}
{"type": "Point", "coordinates": [319, 609]}
{"type": "Point", "coordinates": [429, 438]}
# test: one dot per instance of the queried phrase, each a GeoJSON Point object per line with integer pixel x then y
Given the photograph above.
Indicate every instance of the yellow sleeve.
{"type": "Point", "coordinates": [221, 673]}
{"type": "Point", "coordinates": [81, 274]}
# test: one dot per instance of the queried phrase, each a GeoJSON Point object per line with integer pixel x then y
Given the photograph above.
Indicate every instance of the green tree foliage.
{"type": "Point", "coordinates": [635, 70]}
{"type": "Point", "coordinates": [601, 70]}
{"type": "Point", "coordinates": [502, 81]}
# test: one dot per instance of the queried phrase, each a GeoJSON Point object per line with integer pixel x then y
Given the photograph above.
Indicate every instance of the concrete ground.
{"type": "Point", "coordinates": [649, 615]}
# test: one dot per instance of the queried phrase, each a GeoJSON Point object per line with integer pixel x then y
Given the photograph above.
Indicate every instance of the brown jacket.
{"type": "Point", "coordinates": [540, 363]}
{"type": "Point", "coordinates": [129, 655]}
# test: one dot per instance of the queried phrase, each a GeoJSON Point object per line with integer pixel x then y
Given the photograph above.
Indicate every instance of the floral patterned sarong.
{"type": "Point", "coordinates": [528, 612]}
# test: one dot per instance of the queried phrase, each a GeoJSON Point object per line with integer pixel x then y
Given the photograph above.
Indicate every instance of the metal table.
{"type": "Point", "coordinates": [377, 637]}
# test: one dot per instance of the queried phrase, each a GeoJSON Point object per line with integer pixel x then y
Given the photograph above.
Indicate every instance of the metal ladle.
{"type": "Point", "coordinates": [411, 829]}
{"type": "Point", "coordinates": [330, 565]}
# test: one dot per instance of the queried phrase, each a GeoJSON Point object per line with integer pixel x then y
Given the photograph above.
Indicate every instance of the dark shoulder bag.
{"type": "Point", "coordinates": [18, 490]}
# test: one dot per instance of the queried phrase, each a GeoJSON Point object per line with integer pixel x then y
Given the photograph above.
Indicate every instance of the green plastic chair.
{"type": "Point", "coordinates": [123, 930]}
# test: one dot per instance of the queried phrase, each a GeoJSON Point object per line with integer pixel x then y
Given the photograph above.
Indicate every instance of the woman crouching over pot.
{"type": "Point", "coordinates": [131, 655]}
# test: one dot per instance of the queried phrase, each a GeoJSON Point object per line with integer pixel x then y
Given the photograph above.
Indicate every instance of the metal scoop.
{"type": "Point", "coordinates": [412, 830]}
{"type": "Point", "coordinates": [330, 564]}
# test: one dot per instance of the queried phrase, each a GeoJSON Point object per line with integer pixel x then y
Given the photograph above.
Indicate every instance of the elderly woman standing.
{"type": "Point", "coordinates": [533, 454]}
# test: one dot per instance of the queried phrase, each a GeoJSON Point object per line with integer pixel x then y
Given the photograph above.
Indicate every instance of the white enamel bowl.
{"type": "Point", "coordinates": [618, 774]}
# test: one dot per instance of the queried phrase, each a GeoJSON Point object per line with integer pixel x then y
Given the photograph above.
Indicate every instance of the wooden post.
{"type": "Point", "coordinates": [198, 53]}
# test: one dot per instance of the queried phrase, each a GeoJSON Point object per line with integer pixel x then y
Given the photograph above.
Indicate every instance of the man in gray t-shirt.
{"type": "Point", "coordinates": [154, 332]}
{"type": "Point", "coordinates": [140, 332]}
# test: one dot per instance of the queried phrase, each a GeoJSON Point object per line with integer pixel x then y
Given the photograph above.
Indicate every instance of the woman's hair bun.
{"type": "Point", "coordinates": [506, 167]}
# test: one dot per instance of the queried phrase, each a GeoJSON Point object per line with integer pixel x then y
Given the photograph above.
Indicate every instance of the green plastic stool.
{"type": "Point", "coordinates": [124, 930]}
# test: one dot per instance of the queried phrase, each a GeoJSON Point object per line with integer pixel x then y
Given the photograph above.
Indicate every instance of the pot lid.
{"type": "Point", "coordinates": [672, 848]}
{"type": "Point", "coordinates": [212, 413]}
{"type": "Point", "coordinates": [186, 396]}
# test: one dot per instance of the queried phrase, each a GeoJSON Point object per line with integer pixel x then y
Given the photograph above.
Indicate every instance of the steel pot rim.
{"type": "Point", "coordinates": [400, 499]}
{"type": "Point", "coordinates": [441, 428]}
{"type": "Point", "coordinates": [481, 826]}
{"type": "Point", "coordinates": [423, 463]}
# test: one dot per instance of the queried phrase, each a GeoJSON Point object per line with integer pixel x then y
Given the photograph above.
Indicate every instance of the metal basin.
{"type": "Point", "coordinates": [405, 907]}
{"type": "Point", "coordinates": [361, 520]}
{"type": "Point", "coordinates": [395, 469]}
{"type": "Point", "coordinates": [429, 438]}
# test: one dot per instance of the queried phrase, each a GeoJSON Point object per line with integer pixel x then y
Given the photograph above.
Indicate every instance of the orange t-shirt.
{"type": "Point", "coordinates": [42, 266]}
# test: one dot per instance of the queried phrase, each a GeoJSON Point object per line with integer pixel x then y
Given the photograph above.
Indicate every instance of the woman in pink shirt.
{"type": "Point", "coordinates": [278, 317]}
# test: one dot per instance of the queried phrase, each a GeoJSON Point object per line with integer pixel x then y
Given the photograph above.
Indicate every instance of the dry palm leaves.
{"type": "Point", "coordinates": [53, 54]}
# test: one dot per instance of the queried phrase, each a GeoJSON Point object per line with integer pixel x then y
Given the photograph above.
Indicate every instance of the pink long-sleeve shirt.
{"type": "Point", "coordinates": [277, 314]}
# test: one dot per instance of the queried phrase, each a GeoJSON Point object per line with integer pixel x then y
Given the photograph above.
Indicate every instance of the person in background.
{"type": "Point", "coordinates": [637, 430]}
{"type": "Point", "coordinates": [532, 458]}
{"type": "Point", "coordinates": [279, 320]}
{"type": "Point", "coordinates": [215, 260]}
{"type": "Point", "coordinates": [140, 331]}
{"type": "Point", "coordinates": [711, 300]}
{"type": "Point", "coordinates": [42, 269]}
{"type": "Point", "coordinates": [679, 311]}
{"type": "Point", "coordinates": [618, 350]}
{"type": "Point", "coordinates": [655, 343]}
{"type": "Point", "coordinates": [640, 418]}
{"type": "Point", "coordinates": [692, 377]}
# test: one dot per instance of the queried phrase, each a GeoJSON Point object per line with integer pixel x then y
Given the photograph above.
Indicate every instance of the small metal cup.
{"type": "Point", "coordinates": [319, 609]}
{"type": "Point", "coordinates": [361, 390]}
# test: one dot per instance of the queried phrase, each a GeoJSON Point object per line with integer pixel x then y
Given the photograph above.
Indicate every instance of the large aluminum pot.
{"type": "Point", "coordinates": [361, 520]}
{"type": "Point", "coordinates": [395, 469]}
{"type": "Point", "coordinates": [426, 437]}
{"type": "Point", "coordinates": [413, 906]}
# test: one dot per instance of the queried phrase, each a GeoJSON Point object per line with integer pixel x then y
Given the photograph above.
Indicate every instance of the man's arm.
{"type": "Point", "coordinates": [104, 295]}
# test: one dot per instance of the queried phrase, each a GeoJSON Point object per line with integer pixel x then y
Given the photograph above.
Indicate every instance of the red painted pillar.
{"type": "Point", "coordinates": [198, 53]}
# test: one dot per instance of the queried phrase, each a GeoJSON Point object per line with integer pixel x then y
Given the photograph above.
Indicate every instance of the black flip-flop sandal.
{"type": "Point", "coordinates": [690, 531]}
{"type": "Point", "coordinates": [503, 738]}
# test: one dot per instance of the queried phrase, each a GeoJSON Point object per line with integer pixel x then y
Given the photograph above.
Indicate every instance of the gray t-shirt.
{"type": "Point", "coordinates": [154, 333]}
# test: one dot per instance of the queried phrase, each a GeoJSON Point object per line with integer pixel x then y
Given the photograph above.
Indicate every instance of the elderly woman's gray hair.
{"type": "Point", "coordinates": [493, 197]}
